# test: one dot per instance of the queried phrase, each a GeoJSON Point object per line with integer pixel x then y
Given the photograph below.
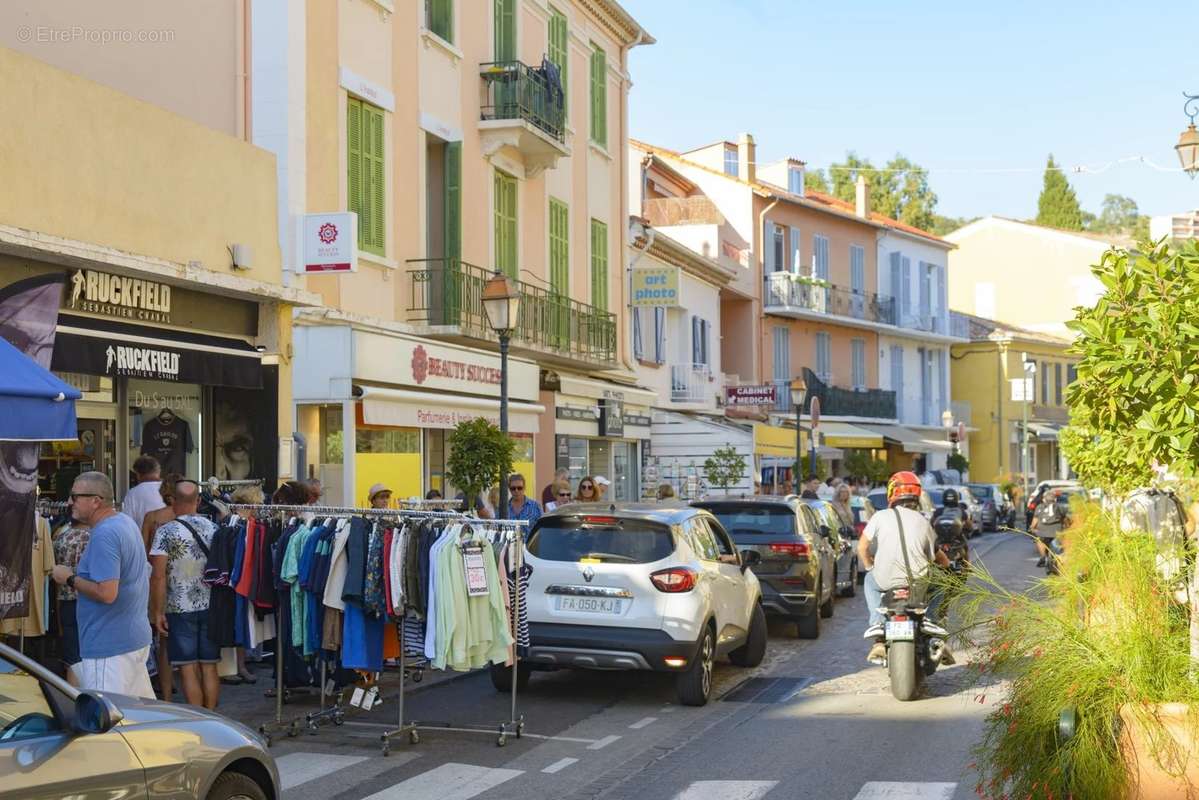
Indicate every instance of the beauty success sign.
{"type": "Point", "coordinates": [330, 243]}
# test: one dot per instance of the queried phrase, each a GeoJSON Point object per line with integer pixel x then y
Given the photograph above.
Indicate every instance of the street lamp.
{"type": "Point", "coordinates": [799, 393]}
{"type": "Point", "coordinates": [501, 302]}
{"type": "Point", "coordinates": [1188, 142]}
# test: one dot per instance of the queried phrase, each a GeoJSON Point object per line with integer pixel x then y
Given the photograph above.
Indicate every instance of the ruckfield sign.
{"type": "Point", "coordinates": [109, 295]}
{"type": "Point", "coordinates": [330, 243]}
{"type": "Point", "coordinates": [655, 286]}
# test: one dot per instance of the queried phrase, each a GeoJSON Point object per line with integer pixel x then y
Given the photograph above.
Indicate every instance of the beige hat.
{"type": "Point", "coordinates": [377, 489]}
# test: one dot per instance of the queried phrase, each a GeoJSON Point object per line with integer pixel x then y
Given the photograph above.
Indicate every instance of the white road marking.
{"type": "Point", "coordinates": [558, 766]}
{"type": "Point", "coordinates": [726, 790]}
{"type": "Point", "coordinates": [602, 743]}
{"type": "Point", "coordinates": [447, 782]}
{"type": "Point", "coordinates": [299, 768]}
{"type": "Point", "coordinates": [642, 723]}
{"type": "Point", "coordinates": [669, 709]}
{"type": "Point", "coordinates": [903, 790]}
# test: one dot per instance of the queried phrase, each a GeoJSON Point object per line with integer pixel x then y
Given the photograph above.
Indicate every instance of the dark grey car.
{"type": "Point", "coordinates": [57, 741]}
{"type": "Point", "coordinates": [798, 561]}
{"type": "Point", "coordinates": [842, 539]}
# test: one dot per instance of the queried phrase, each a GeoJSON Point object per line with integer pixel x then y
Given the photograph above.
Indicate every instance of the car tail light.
{"type": "Point", "coordinates": [900, 618]}
{"type": "Point", "coordinates": [600, 520]}
{"type": "Point", "coordinates": [675, 661]}
{"type": "Point", "coordinates": [794, 549]}
{"type": "Point", "coordinates": [673, 580]}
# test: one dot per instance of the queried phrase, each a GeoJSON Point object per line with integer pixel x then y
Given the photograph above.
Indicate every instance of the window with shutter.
{"type": "Point", "coordinates": [820, 257]}
{"type": "Point", "coordinates": [1044, 383]}
{"type": "Point", "coordinates": [942, 301]}
{"type": "Point", "coordinates": [925, 386]}
{"type": "Point", "coordinates": [659, 335]}
{"type": "Point", "coordinates": [505, 30]}
{"type": "Point", "coordinates": [768, 249]}
{"type": "Point", "coordinates": [897, 379]}
{"type": "Point", "coordinates": [599, 96]}
{"type": "Point", "coordinates": [638, 348]}
{"type": "Point", "coordinates": [905, 287]}
{"type": "Point", "coordinates": [942, 379]}
{"type": "Point", "coordinates": [599, 265]}
{"type": "Point", "coordinates": [896, 277]}
{"type": "Point", "coordinates": [824, 360]}
{"type": "Point", "coordinates": [857, 269]}
{"type": "Point", "coordinates": [505, 225]}
{"type": "Point", "coordinates": [367, 175]}
{"type": "Point", "coordinates": [782, 354]}
{"type": "Point", "coordinates": [707, 343]}
{"type": "Point", "coordinates": [453, 200]}
{"type": "Point", "coordinates": [796, 252]}
{"type": "Point", "coordinates": [439, 18]}
{"type": "Point", "coordinates": [559, 51]}
{"type": "Point", "coordinates": [696, 355]}
{"type": "Point", "coordinates": [858, 356]}
{"type": "Point", "coordinates": [559, 272]}
{"type": "Point", "coordinates": [778, 246]}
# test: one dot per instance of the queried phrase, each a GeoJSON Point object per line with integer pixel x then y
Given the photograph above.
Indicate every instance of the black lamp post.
{"type": "Point", "coordinates": [799, 391]}
{"type": "Point", "coordinates": [1188, 142]}
{"type": "Point", "coordinates": [501, 302]}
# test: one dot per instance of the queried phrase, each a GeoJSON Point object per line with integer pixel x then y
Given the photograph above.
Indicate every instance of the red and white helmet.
{"type": "Point", "coordinates": [904, 485]}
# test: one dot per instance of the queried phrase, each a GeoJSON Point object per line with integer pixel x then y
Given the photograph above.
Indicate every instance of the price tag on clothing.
{"type": "Point", "coordinates": [476, 572]}
{"type": "Point", "coordinates": [356, 697]}
{"type": "Point", "coordinates": [372, 699]}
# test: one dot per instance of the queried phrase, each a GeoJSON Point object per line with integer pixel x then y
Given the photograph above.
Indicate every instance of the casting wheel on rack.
{"type": "Point", "coordinates": [418, 676]}
{"type": "Point", "coordinates": [293, 730]}
{"type": "Point", "coordinates": [386, 746]}
{"type": "Point", "coordinates": [339, 718]}
{"type": "Point", "coordinates": [414, 737]}
{"type": "Point", "coordinates": [520, 728]}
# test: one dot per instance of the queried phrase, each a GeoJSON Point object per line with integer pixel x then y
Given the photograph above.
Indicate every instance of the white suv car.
{"type": "Point", "coordinates": [639, 586]}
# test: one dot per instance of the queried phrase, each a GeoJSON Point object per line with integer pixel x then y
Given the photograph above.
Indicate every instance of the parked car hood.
{"type": "Point", "coordinates": [145, 711]}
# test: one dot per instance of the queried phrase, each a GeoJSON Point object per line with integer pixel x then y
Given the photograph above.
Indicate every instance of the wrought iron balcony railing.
{"type": "Point", "coordinates": [514, 90]}
{"type": "Point", "coordinates": [449, 292]}
{"type": "Point", "coordinates": [785, 291]}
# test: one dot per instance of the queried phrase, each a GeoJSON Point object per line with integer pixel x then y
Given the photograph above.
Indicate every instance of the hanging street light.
{"type": "Point", "coordinates": [1188, 142]}
{"type": "Point", "coordinates": [799, 391]}
{"type": "Point", "coordinates": [501, 303]}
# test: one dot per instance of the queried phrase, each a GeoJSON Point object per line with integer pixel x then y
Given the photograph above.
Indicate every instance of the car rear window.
{"type": "Point", "coordinates": [878, 499]}
{"type": "Point", "coordinates": [983, 492]}
{"type": "Point", "coordinates": [935, 496]}
{"type": "Point", "coordinates": [749, 524]}
{"type": "Point", "coordinates": [613, 540]}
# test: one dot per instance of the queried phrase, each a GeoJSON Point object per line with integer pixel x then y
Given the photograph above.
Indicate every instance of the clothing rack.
{"type": "Point", "coordinates": [514, 725]}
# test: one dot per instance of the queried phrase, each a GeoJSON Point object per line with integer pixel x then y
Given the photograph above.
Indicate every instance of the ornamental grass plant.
{"type": "Point", "coordinates": [1103, 639]}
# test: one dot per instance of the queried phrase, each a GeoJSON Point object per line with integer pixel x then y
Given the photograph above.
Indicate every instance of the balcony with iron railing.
{"type": "Point", "coordinates": [691, 383]}
{"type": "Point", "coordinates": [523, 111]}
{"type": "Point", "coordinates": [447, 294]}
{"type": "Point", "coordinates": [789, 294]}
{"type": "Point", "coordinates": [835, 401]}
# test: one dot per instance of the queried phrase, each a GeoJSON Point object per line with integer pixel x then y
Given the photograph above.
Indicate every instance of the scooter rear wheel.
{"type": "Point", "coordinates": [905, 675]}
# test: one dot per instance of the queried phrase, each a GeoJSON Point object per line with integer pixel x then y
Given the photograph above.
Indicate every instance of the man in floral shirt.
{"type": "Point", "coordinates": [179, 596]}
{"type": "Point", "coordinates": [69, 544]}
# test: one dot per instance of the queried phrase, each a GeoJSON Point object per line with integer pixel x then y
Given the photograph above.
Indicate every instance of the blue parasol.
{"type": "Point", "coordinates": [35, 406]}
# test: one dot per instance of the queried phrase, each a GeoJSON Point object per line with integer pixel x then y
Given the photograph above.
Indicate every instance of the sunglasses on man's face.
{"type": "Point", "coordinates": [520, 488]}
{"type": "Point", "coordinates": [76, 495]}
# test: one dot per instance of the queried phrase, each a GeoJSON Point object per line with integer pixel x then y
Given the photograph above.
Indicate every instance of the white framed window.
{"type": "Point", "coordinates": [858, 356]}
{"type": "Point", "coordinates": [730, 161]}
{"type": "Point", "coordinates": [796, 252]}
{"type": "Point", "coordinates": [857, 269]}
{"type": "Point", "coordinates": [824, 357]}
{"type": "Point", "coordinates": [795, 180]}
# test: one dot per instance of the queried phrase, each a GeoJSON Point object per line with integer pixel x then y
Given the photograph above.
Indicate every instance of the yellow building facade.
{"type": "Point", "coordinates": [994, 388]}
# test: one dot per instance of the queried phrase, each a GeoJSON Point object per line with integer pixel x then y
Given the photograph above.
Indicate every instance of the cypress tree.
{"type": "Point", "coordinates": [1058, 205]}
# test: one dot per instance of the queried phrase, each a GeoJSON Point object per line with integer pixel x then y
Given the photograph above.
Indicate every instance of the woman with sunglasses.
{"type": "Point", "coordinates": [562, 496]}
{"type": "Point", "coordinates": [588, 492]}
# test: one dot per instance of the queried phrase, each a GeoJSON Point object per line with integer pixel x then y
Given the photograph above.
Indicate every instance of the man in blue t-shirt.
{"type": "Point", "coordinates": [113, 584]}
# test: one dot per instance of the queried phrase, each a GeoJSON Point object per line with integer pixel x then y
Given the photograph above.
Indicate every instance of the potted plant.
{"type": "Point", "coordinates": [480, 457]}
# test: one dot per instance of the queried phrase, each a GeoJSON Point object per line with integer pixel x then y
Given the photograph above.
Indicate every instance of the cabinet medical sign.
{"type": "Point", "coordinates": [655, 286]}
{"type": "Point", "coordinates": [749, 395]}
{"type": "Point", "coordinates": [330, 243]}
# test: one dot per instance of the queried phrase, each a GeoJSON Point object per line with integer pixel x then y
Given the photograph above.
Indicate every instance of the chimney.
{"type": "Point", "coordinates": [747, 158]}
{"type": "Point", "coordinates": [862, 198]}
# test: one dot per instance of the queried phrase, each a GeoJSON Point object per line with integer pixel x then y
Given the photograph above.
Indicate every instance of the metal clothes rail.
{"type": "Point", "coordinates": [512, 726]}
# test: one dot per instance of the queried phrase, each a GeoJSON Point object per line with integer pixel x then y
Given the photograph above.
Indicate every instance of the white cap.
{"type": "Point", "coordinates": [602, 481]}
{"type": "Point", "coordinates": [376, 489]}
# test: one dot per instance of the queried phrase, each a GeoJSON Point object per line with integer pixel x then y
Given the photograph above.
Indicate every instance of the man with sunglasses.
{"type": "Point", "coordinates": [519, 505]}
{"type": "Point", "coordinates": [113, 585]}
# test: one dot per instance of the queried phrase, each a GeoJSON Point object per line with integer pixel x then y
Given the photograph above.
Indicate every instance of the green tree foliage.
{"type": "Point", "coordinates": [899, 189]}
{"type": "Point", "coordinates": [1119, 213]}
{"type": "Point", "coordinates": [861, 464]}
{"type": "Point", "coordinates": [946, 225]}
{"type": "Point", "coordinates": [1136, 398]}
{"type": "Point", "coordinates": [801, 474]}
{"type": "Point", "coordinates": [959, 462]}
{"type": "Point", "coordinates": [725, 468]}
{"type": "Point", "coordinates": [480, 456]}
{"type": "Point", "coordinates": [1058, 205]}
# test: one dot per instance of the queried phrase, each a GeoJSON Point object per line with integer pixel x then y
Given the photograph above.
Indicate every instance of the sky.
{"type": "Point", "coordinates": [978, 93]}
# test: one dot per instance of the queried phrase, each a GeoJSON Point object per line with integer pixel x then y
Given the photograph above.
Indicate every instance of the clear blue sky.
{"type": "Point", "coordinates": [957, 87]}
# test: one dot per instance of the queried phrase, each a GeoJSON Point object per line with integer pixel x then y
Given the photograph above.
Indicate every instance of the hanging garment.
{"type": "Point", "coordinates": [290, 574]}
{"type": "Point", "coordinates": [356, 547]}
{"type": "Point", "coordinates": [432, 609]}
{"type": "Point", "coordinates": [338, 563]}
{"type": "Point", "coordinates": [362, 640]}
{"type": "Point", "coordinates": [372, 591]}
{"type": "Point", "coordinates": [222, 599]}
{"type": "Point", "coordinates": [519, 615]}
{"type": "Point", "coordinates": [471, 631]}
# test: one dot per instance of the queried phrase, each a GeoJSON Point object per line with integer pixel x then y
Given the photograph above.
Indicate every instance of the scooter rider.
{"type": "Point", "coordinates": [953, 510]}
{"type": "Point", "coordinates": [880, 551]}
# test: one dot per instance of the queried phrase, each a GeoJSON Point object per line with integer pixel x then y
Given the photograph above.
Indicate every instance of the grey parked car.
{"type": "Point", "coordinates": [57, 741]}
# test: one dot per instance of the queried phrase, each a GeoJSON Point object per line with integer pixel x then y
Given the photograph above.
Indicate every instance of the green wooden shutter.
{"type": "Point", "coordinates": [376, 178]}
{"type": "Point", "coordinates": [599, 265]}
{"type": "Point", "coordinates": [505, 224]}
{"type": "Point", "coordinates": [599, 96]}
{"type": "Point", "coordinates": [441, 19]}
{"type": "Point", "coordinates": [559, 50]}
{"type": "Point", "coordinates": [505, 30]}
{"type": "Point", "coordinates": [354, 164]}
{"type": "Point", "coordinates": [452, 240]}
{"type": "Point", "coordinates": [560, 273]}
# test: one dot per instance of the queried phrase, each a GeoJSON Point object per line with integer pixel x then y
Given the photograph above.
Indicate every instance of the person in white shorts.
{"type": "Point", "coordinates": [113, 584]}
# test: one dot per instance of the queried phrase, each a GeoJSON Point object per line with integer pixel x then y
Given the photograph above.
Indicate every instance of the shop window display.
{"type": "Point", "coordinates": [165, 421]}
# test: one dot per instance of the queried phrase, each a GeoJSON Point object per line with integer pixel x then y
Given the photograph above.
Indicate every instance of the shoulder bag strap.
{"type": "Point", "coordinates": [903, 546]}
{"type": "Point", "coordinates": [194, 534]}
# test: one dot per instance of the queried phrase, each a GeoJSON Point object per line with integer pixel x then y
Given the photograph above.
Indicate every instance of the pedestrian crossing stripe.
{"type": "Point", "coordinates": [448, 782]}
{"type": "Point", "coordinates": [726, 790]}
{"type": "Point", "coordinates": [901, 790]}
{"type": "Point", "coordinates": [296, 769]}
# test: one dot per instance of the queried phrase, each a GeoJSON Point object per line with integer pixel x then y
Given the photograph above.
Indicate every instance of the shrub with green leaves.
{"type": "Point", "coordinates": [725, 468]}
{"type": "Point", "coordinates": [480, 456]}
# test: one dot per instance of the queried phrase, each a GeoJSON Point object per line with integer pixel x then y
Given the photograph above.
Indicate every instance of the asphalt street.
{"type": "Point", "coordinates": [815, 720]}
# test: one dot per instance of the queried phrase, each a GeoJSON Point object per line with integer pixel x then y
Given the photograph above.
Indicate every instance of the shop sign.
{"type": "Point", "coordinates": [750, 395]}
{"type": "Point", "coordinates": [581, 414]}
{"type": "Point", "coordinates": [642, 420]}
{"type": "Point", "coordinates": [424, 365]}
{"type": "Point", "coordinates": [611, 419]}
{"type": "Point", "coordinates": [330, 243]}
{"type": "Point", "coordinates": [118, 296]}
{"type": "Point", "coordinates": [655, 286]}
{"type": "Point", "coordinates": [93, 355]}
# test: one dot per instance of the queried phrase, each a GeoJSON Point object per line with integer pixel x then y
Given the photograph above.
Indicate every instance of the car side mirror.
{"type": "Point", "coordinates": [95, 713]}
{"type": "Point", "coordinates": [750, 558]}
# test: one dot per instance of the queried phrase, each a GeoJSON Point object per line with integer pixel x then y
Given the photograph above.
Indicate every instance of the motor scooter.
{"type": "Point", "coordinates": [914, 643]}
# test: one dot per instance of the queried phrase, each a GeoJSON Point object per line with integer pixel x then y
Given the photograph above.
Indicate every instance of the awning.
{"type": "Point", "coordinates": [1044, 431]}
{"type": "Point", "coordinates": [911, 441]}
{"type": "Point", "coordinates": [842, 434]}
{"type": "Point", "coordinates": [771, 440]}
{"type": "Point", "coordinates": [37, 406]}
{"type": "Point", "coordinates": [400, 408]}
{"type": "Point", "coordinates": [103, 347]}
